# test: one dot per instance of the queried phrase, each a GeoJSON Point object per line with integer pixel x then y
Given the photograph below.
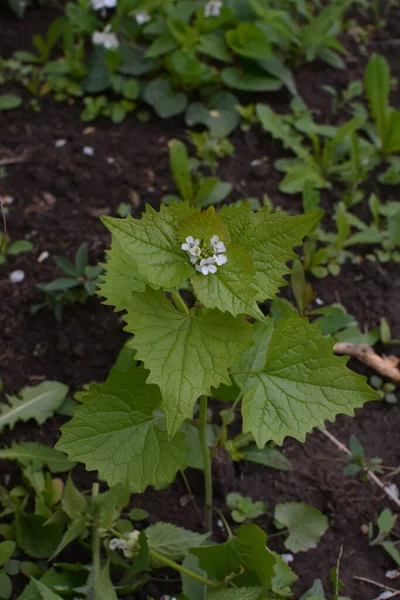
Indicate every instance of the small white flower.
{"type": "Point", "coordinates": [319, 301]}
{"type": "Point", "coordinates": [100, 4]}
{"type": "Point", "coordinates": [117, 544]}
{"type": "Point", "coordinates": [142, 17]}
{"type": "Point", "coordinates": [105, 38]}
{"type": "Point", "coordinates": [206, 266]}
{"type": "Point", "coordinates": [287, 558]}
{"type": "Point", "coordinates": [213, 8]}
{"type": "Point", "coordinates": [132, 545]}
{"type": "Point", "coordinates": [17, 276]}
{"type": "Point", "coordinates": [210, 255]}
{"type": "Point", "coordinates": [60, 143]}
{"type": "Point", "coordinates": [88, 151]}
{"type": "Point", "coordinates": [220, 259]}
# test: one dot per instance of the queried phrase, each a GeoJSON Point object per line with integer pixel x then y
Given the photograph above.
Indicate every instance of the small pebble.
{"type": "Point", "coordinates": [364, 528]}
{"type": "Point", "coordinates": [287, 558]}
{"type": "Point", "coordinates": [7, 200]}
{"type": "Point", "coordinates": [110, 160]}
{"type": "Point", "coordinates": [60, 143]}
{"type": "Point", "coordinates": [220, 523]}
{"type": "Point", "coordinates": [385, 595]}
{"type": "Point", "coordinates": [394, 490]}
{"type": "Point", "coordinates": [394, 574]}
{"type": "Point", "coordinates": [88, 151]}
{"type": "Point", "coordinates": [17, 276]}
{"type": "Point", "coordinates": [319, 301]}
{"type": "Point", "coordinates": [43, 256]}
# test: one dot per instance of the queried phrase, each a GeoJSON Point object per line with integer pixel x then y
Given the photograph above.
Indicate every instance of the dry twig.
{"type": "Point", "coordinates": [383, 586]}
{"type": "Point", "coordinates": [384, 365]}
{"type": "Point", "coordinates": [371, 476]}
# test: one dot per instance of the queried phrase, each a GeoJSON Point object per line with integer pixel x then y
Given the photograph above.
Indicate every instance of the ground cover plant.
{"type": "Point", "coordinates": [183, 277]}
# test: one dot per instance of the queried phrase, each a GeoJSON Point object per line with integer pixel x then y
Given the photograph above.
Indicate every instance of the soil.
{"type": "Point", "coordinates": [59, 194]}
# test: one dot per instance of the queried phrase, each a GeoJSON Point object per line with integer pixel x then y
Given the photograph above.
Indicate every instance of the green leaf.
{"type": "Point", "coordinates": [214, 46]}
{"type": "Point", "coordinates": [220, 116]}
{"type": "Point", "coordinates": [5, 586]}
{"type": "Point", "coordinates": [39, 402]}
{"type": "Point", "coordinates": [36, 455]}
{"type": "Point", "coordinates": [297, 383]}
{"type": "Point", "coordinates": [245, 552]}
{"type": "Point", "coordinates": [19, 247]}
{"type": "Point", "coordinates": [306, 525]}
{"type": "Point", "coordinates": [98, 78]}
{"type": "Point", "coordinates": [34, 537]}
{"type": "Point", "coordinates": [119, 280]}
{"type": "Point", "coordinates": [6, 551]}
{"type": "Point", "coordinates": [104, 589]}
{"type": "Point", "coordinates": [316, 591]}
{"type": "Point", "coordinates": [167, 103]}
{"type": "Point", "coordinates": [185, 353]}
{"type": "Point", "coordinates": [116, 431]}
{"type": "Point", "coordinates": [9, 101]}
{"type": "Point", "coordinates": [163, 44]}
{"type": "Point", "coordinates": [392, 551]}
{"type": "Point", "coordinates": [386, 521]}
{"type": "Point", "coordinates": [138, 514]}
{"type": "Point", "coordinates": [44, 591]}
{"type": "Point", "coordinates": [269, 457]}
{"type": "Point", "coordinates": [377, 86]}
{"type": "Point", "coordinates": [249, 41]}
{"type": "Point", "coordinates": [73, 502]}
{"type": "Point", "coordinates": [248, 593]}
{"type": "Point", "coordinates": [66, 266]}
{"type": "Point", "coordinates": [171, 541]}
{"type": "Point", "coordinates": [270, 237]}
{"type": "Point", "coordinates": [153, 246]}
{"type": "Point", "coordinates": [133, 61]}
{"type": "Point", "coordinates": [75, 529]}
{"type": "Point", "coordinates": [81, 259]}
{"type": "Point", "coordinates": [249, 80]}
{"type": "Point", "coordinates": [179, 164]}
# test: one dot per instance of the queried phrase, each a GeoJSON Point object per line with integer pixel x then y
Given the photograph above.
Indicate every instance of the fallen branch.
{"type": "Point", "coordinates": [384, 365]}
{"type": "Point", "coordinates": [371, 476]}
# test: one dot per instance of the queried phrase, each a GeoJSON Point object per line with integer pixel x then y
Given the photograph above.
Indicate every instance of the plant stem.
{"type": "Point", "coordinates": [181, 569]}
{"type": "Point", "coordinates": [207, 464]}
{"type": "Point", "coordinates": [179, 302]}
{"type": "Point", "coordinates": [189, 489]}
{"type": "Point", "coordinates": [95, 545]}
{"type": "Point", "coordinates": [223, 432]}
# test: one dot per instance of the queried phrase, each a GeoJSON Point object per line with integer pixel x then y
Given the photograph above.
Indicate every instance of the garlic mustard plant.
{"type": "Point", "coordinates": [212, 341]}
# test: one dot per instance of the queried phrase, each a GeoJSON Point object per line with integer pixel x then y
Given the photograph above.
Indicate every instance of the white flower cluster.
{"type": "Point", "coordinates": [208, 256]}
{"type": "Point", "coordinates": [130, 546]}
{"type": "Point", "coordinates": [100, 4]}
{"type": "Point", "coordinates": [105, 38]}
{"type": "Point", "coordinates": [142, 17]}
{"type": "Point", "coordinates": [213, 8]}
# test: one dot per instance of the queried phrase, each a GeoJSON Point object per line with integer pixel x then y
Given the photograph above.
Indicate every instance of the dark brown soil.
{"type": "Point", "coordinates": [60, 193]}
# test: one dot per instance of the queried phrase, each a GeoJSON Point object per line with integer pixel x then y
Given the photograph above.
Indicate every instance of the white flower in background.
{"type": "Point", "coordinates": [105, 38]}
{"type": "Point", "coordinates": [210, 255]}
{"type": "Point", "coordinates": [100, 4]}
{"type": "Point", "coordinates": [213, 8]}
{"type": "Point", "coordinates": [142, 17]}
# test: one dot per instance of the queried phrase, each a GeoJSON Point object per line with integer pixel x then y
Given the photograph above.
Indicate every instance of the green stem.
{"type": "Point", "coordinates": [179, 302]}
{"type": "Point", "coordinates": [225, 522]}
{"type": "Point", "coordinates": [189, 489]}
{"type": "Point", "coordinates": [181, 569]}
{"type": "Point", "coordinates": [223, 432]}
{"type": "Point", "coordinates": [242, 440]}
{"type": "Point", "coordinates": [207, 464]}
{"type": "Point", "coordinates": [95, 545]}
